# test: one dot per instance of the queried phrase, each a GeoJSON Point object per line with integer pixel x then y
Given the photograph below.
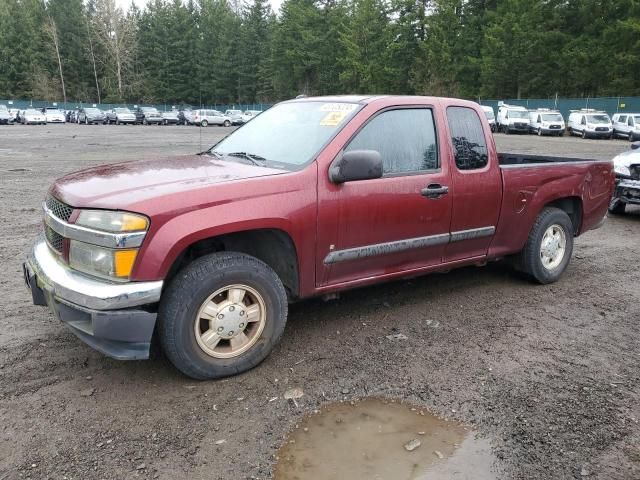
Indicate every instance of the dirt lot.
{"type": "Point", "coordinates": [547, 374]}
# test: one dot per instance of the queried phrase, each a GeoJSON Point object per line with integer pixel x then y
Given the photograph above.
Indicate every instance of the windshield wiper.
{"type": "Point", "coordinates": [253, 158]}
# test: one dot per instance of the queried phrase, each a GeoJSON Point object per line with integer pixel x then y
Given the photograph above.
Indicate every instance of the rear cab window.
{"type": "Point", "coordinates": [468, 139]}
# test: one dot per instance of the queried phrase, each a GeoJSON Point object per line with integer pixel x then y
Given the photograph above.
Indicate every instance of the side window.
{"type": "Point", "coordinates": [405, 138]}
{"type": "Point", "coordinates": [467, 136]}
{"type": "Point", "coordinates": [631, 121]}
{"type": "Point", "coordinates": [622, 119]}
{"type": "Point", "coordinates": [583, 121]}
{"type": "Point", "coordinates": [538, 120]}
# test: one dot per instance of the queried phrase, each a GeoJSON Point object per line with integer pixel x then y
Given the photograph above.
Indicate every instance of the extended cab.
{"type": "Point", "coordinates": [312, 197]}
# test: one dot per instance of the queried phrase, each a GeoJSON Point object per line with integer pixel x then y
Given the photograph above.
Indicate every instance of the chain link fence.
{"type": "Point", "coordinates": [610, 105]}
{"type": "Point", "coordinates": [22, 104]}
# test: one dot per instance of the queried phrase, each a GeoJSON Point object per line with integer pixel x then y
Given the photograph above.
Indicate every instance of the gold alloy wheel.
{"type": "Point", "coordinates": [230, 321]}
{"type": "Point", "coordinates": [553, 247]}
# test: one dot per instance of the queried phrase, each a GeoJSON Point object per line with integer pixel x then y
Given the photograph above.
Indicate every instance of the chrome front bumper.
{"type": "Point", "coordinates": [69, 286]}
{"type": "Point", "coordinates": [102, 314]}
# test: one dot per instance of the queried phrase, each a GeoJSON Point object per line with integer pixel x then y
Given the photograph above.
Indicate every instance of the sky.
{"type": "Point", "coordinates": [124, 4]}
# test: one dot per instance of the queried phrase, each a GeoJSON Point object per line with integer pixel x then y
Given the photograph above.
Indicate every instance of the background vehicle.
{"type": "Point", "coordinates": [250, 115]}
{"type": "Point", "coordinates": [546, 122]}
{"type": "Point", "coordinates": [5, 116]}
{"type": "Point", "coordinates": [170, 117]}
{"type": "Point", "coordinates": [148, 116]}
{"type": "Point", "coordinates": [312, 197]}
{"type": "Point", "coordinates": [120, 115]}
{"type": "Point", "coordinates": [185, 117]}
{"type": "Point", "coordinates": [15, 114]}
{"type": "Point", "coordinates": [31, 116]}
{"type": "Point", "coordinates": [589, 123]}
{"type": "Point", "coordinates": [90, 116]}
{"type": "Point", "coordinates": [210, 117]}
{"type": "Point", "coordinates": [626, 125]}
{"type": "Point", "coordinates": [235, 116]}
{"type": "Point", "coordinates": [54, 115]}
{"type": "Point", "coordinates": [491, 117]}
{"type": "Point", "coordinates": [627, 169]}
{"type": "Point", "coordinates": [512, 119]}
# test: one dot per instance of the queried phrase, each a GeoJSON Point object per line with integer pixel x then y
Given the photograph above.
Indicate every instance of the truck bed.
{"type": "Point", "coordinates": [524, 159]}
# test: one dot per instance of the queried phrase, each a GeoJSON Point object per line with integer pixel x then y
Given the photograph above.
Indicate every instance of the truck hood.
{"type": "Point", "coordinates": [122, 186]}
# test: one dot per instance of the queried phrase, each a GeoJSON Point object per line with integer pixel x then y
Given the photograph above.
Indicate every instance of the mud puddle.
{"type": "Point", "coordinates": [378, 440]}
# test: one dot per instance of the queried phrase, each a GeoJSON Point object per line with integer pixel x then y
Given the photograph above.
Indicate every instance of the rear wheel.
{"type": "Point", "coordinates": [204, 123]}
{"type": "Point", "coordinates": [222, 315]}
{"type": "Point", "coordinates": [548, 249]}
{"type": "Point", "coordinates": [227, 123]}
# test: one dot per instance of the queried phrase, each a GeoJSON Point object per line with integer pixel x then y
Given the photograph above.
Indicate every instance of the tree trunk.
{"type": "Point", "coordinates": [93, 61]}
{"type": "Point", "coordinates": [54, 37]}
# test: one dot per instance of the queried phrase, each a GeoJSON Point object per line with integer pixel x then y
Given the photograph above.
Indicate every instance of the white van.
{"type": "Point", "coordinates": [512, 118]}
{"type": "Point", "coordinates": [491, 116]}
{"type": "Point", "coordinates": [627, 125]}
{"type": "Point", "coordinates": [590, 123]}
{"type": "Point", "coordinates": [544, 121]}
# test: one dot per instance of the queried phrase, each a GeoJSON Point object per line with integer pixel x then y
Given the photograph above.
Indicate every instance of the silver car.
{"type": "Point", "coordinates": [235, 116]}
{"type": "Point", "coordinates": [210, 117]}
{"type": "Point", "coordinates": [33, 117]}
{"type": "Point", "coordinates": [120, 115]}
{"type": "Point", "coordinates": [5, 116]}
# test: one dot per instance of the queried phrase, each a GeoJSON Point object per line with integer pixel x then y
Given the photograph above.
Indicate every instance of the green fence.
{"type": "Point", "coordinates": [610, 105]}
{"type": "Point", "coordinates": [22, 104]}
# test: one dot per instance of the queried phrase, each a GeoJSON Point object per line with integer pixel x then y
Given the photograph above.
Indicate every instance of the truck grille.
{"type": "Point", "coordinates": [554, 127]}
{"type": "Point", "coordinates": [602, 129]}
{"type": "Point", "coordinates": [59, 209]}
{"type": "Point", "coordinates": [54, 239]}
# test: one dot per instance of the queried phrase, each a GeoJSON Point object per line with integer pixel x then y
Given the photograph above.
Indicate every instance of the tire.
{"type": "Point", "coordinates": [632, 137]}
{"type": "Point", "coordinates": [117, 121]}
{"type": "Point", "coordinates": [86, 121]}
{"type": "Point", "coordinates": [531, 261]}
{"type": "Point", "coordinates": [584, 134]}
{"type": "Point", "coordinates": [616, 206]}
{"type": "Point", "coordinates": [227, 123]}
{"type": "Point", "coordinates": [539, 132]}
{"type": "Point", "coordinates": [204, 123]}
{"type": "Point", "coordinates": [144, 121]}
{"type": "Point", "coordinates": [193, 287]}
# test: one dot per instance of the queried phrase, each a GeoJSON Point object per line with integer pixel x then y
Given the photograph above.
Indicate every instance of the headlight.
{"type": "Point", "coordinates": [109, 221]}
{"type": "Point", "coordinates": [100, 261]}
{"type": "Point", "coordinates": [621, 169]}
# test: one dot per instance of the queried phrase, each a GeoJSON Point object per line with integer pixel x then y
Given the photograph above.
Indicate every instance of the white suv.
{"type": "Point", "coordinates": [627, 125]}
{"type": "Point", "coordinates": [213, 117]}
{"type": "Point", "coordinates": [590, 123]}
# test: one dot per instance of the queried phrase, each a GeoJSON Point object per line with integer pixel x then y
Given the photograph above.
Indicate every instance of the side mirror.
{"type": "Point", "coordinates": [635, 146]}
{"type": "Point", "coordinates": [356, 165]}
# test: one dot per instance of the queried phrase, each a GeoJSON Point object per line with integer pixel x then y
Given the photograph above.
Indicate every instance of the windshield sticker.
{"type": "Point", "coordinates": [332, 119]}
{"type": "Point", "coordinates": [338, 107]}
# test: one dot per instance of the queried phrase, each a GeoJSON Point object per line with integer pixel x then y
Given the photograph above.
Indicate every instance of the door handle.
{"type": "Point", "coordinates": [435, 190]}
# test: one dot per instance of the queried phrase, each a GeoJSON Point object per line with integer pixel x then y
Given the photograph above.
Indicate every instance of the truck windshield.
{"type": "Point", "coordinates": [122, 110]}
{"type": "Point", "coordinates": [598, 119]}
{"type": "Point", "coordinates": [489, 114]}
{"type": "Point", "coordinates": [518, 114]}
{"type": "Point", "coordinates": [289, 134]}
{"type": "Point", "coordinates": [551, 117]}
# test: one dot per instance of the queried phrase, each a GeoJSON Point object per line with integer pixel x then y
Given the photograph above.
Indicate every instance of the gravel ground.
{"type": "Point", "coordinates": [548, 374]}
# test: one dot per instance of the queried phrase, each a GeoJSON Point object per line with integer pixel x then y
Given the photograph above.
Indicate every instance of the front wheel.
{"type": "Point", "coordinates": [632, 137]}
{"type": "Point", "coordinates": [616, 206]}
{"type": "Point", "coordinates": [548, 249]}
{"type": "Point", "coordinates": [584, 134]}
{"type": "Point", "coordinates": [204, 123]}
{"type": "Point", "coordinates": [227, 123]}
{"type": "Point", "coordinates": [539, 132]}
{"type": "Point", "coordinates": [222, 315]}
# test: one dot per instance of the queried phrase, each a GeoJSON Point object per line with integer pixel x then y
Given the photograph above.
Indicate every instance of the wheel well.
{"type": "Point", "coordinates": [274, 247]}
{"type": "Point", "coordinates": [573, 207]}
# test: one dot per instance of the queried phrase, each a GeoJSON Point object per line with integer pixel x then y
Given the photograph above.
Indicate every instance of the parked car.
{"type": "Point", "coordinates": [313, 197]}
{"type": "Point", "coordinates": [626, 125]}
{"type": "Point", "coordinates": [206, 117]}
{"type": "Point", "coordinates": [120, 115]}
{"type": "Point", "coordinates": [627, 169]}
{"type": "Point", "coordinates": [170, 117]}
{"type": "Point", "coordinates": [235, 116]}
{"type": "Point", "coordinates": [54, 115]}
{"type": "Point", "coordinates": [5, 116]}
{"type": "Point", "coordinates": [512, 118]}
{"type": "Point", "coordinates": [546, 122]}
{"type": "Point", "coordinates": [491, 117]}
{"type": "Point", "coordinates": [148, 116]}
{"type": "Point", "coordinates": [185, 117]}
{"type": "Point", "coordinates": [31, 116]}
{"type": "Point", "coordinates": [250, 115]}
{"type": "Point", "coordinates": [71, 116]}
{"type": "Point", "coordinates": [90, 116]}
{"type": "Point", "coordinates": [589, 123]}
{"type": "Point", "coordinates": [15, 115]}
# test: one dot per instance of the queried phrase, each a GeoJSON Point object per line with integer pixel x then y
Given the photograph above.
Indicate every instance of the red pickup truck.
{"type": "Point", "coordinates": [314, 196]}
